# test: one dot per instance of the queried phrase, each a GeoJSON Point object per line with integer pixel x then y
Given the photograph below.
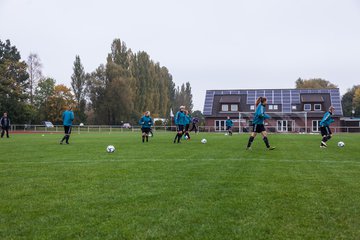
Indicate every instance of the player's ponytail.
{"type": "Point", "coordinates": [260, 100]}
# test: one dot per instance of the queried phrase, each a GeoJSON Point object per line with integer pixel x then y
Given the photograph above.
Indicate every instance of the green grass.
{"type": "Point", "coordinates": [161, 190]}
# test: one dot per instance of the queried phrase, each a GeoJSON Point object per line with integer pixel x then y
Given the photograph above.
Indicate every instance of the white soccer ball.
{"type": "Point", "coordinates": [110, 149]}
{"type": "Point", "coordinates": [81, 124]}
{"type": "Point", "coordinates": [341, 144]}
{"type": "Point", "coordinates": [186, 137]}
{"type": "Point", "coordinates": [203, 141]}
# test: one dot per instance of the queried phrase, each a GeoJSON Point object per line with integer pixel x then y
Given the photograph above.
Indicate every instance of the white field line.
{"type": "Point", "coordinates": [181, 160]}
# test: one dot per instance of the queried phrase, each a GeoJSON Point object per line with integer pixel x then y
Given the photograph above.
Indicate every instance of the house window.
{"type": "Point", "coordinates": [293, 107]}
{"type": "Point", "coordinates": [275, 107]}
{"type": "Point", "coordinates": [252, 107]}
{"type": "Point", "coordinates": [234, 107]}
{"type": "Point", "coordinates": [316, 125]}
{"type": "Point", "coordinates": [271, 107]}
{"type": "Point", "coordinates": [224, 107]}
{"type": "Point", "coordinates": [307, 107]}
{"type": "Point", "coordinates": [317, 107]}
{"type": "Point", "coordinates": [285, 125]}
{"type": "Point", "coordinates": [220, 125]}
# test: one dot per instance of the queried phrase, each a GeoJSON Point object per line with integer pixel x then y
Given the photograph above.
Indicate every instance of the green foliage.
{"type": "Point", "coordinates": [78, 84]}
{"type": "Point", "coordinates": [314, 83]}
{"type": "Point", "coordinates": [128, 85]}
{"type": "Point", "coordinates": [350, 103]}
{"type": "Point", "coordinates": [13, 83]}
{"type": "Point", "coordinates": [161, 190]}
{"type": "Point", "coordinates": [44, 91]}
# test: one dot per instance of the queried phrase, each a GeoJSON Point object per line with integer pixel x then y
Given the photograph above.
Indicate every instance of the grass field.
{"type": "Point", "coordinates": [161, 190]}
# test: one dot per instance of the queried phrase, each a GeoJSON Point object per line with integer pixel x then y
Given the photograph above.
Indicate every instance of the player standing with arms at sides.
{"type": "Point", "coordinates": [5, 125]}
{"type": "Point", "coordinates": [146, 122]}
{"type": "Point", "coordinates": [187, 124]}
{"type": "Point", "coordinates": [258, 123]}
{"type": "Point", "coordinates": [180, 123]}
{"type": "Point", "coordinates": [325, 127]}
{"type": "Point", "coordinates": [67, 117]}
{"type": "Point", "coordinates": [194, 121]}
{"type": "Point", "coordinates": [229, 123]}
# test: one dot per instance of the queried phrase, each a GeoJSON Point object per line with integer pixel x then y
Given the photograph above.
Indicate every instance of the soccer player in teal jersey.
{"type": "Point", "coordinates": [258, 123]}
{"type": "Point", "coordinates": [229, 123]}
{"type": "Point", "coordinates": [187, 124]}
{"type": "Point", "coordinates": [180, 122]}
{"type": "Point", "coordinates": [146, 122]}
{"type": "Point", "coordinates": [325, 127]}
{"type": "Point", "coordinates": [68, 118]}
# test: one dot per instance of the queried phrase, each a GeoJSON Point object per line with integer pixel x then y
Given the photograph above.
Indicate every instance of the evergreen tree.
{"type": "Point", "coordinates": [14, 82]}
{"type": "Point", "coordinates": [78, 84]}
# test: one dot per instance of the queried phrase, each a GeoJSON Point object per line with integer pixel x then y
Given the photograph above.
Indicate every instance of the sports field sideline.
{"type": "Point", "coordinates": [161, 190]}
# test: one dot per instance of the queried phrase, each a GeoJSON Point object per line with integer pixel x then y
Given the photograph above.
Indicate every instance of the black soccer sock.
{"type": "Point", "coordinates": [63, 138]}
{"type": "Point", "coordinates": [324, 139]}
{"type": "Point", "coordinates": [147, 138]}
{"type": "Point", "coordinates": [251, 139]}
{"type": "Point", "coordinates": [176, 136]}
{"type": "Point", "coordinates": [266, 141]}
{"type": "Point", "coordinates": [67, 138]}
{"type": "Point", "coordinates": [143, 138]}
{"type": "Point", "coordinates": [328, 138]}
{"type": "Point", "coordinates": [179, 136]}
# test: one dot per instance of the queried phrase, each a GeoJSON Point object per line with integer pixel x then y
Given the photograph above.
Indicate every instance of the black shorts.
{"type": "Point", "coordinates": [67, 129]}
{"type": "Point", "coordinates": [228, 128]}
{"type": "Point", "coordinates": [258, 128]}
{"type": "Point", "coordinates": [180, 128]}
{"type": "Point", "coordinates": [145, 130]}
{"type": "Point", "coordinates": [325, 131]}
{"type": "Point", "coordinates": [187, 127]}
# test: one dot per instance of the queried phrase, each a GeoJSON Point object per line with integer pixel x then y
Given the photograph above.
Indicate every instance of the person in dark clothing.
{"type": "Point", "coordinates": [5, 125]}
{"type": "Point", "coordinates": [195, 121]}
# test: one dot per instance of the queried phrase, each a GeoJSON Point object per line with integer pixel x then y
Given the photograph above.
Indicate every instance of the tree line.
{"type": "Point", "coordinates": [116, 92]}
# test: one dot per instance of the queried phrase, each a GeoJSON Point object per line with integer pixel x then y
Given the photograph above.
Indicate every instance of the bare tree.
{"type": "Point", "coordinates": [34, 70]}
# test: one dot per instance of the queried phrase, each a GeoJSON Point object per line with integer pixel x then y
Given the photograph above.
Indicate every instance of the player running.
{"type": "Point", "coordinates": [180, 122]}
{"type": "Point", "coordinates": [258, 123]}
{"type": "Point", "coordinates": [229, 123]}
{"type": "Point", "coordinates": [187, 124]}
{"type": "Point", "coordinates": [146, 122]}
{"type": "Point", "coordinates": [325, 127]}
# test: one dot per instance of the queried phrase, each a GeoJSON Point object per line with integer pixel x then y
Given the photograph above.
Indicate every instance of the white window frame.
{"type": "Point", "coordinates": [293, 107]}
{"type": "Point", "coordinates": [285, 125]}
{"type": "Point", "coordinates": [223, 107]}
{"type": "Point", "coordinates": [252, 107]}
{"type": "Point", "coordinates": [233, 106]}
{"type": "Point", "coordinates": [276, 107]}
{"type": "Point", "coordinates": [307, 105]}
{"type": "Point", "coordinates": [271, 107]}
{"type": "Point", "coordinates": [317, 105]}
{"type": "Point", "coordinates": [317, 128]}
{"type": "Point", "coordinates": [220, 125]}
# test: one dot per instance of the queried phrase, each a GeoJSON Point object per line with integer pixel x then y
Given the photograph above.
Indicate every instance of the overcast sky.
{"type": "Point", "coordinates": [229, 44]}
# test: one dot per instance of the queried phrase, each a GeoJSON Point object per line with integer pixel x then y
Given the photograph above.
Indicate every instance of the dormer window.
{"type": "Point", "coordinates": [317, 107]}
{"type": "Point", "coordinates": [224, 107]}
{"type": "Point", "coordinates": [307, 107]}
{"type": "Point", "coordinates": [234, 107]}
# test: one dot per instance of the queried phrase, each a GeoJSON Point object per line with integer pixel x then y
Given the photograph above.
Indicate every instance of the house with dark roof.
{"type": "Point", "coordinates": [291, 110]}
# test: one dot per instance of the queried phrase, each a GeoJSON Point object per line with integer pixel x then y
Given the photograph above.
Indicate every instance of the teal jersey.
{"type": "Point", "coordinates": [146, 122]}
{"type": "Point", "coordinates": [326, 120]}
{"type": "Point", "coordinates": [180, 118]}
{"type": "Point", "coordinates": [229, 123]}
{"type": "Point", "coordinates": [260, 115]}
{"type": "Point", "coordinates": [67, 117]}
{"type": "Point", "coordinates": [187, 119]}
